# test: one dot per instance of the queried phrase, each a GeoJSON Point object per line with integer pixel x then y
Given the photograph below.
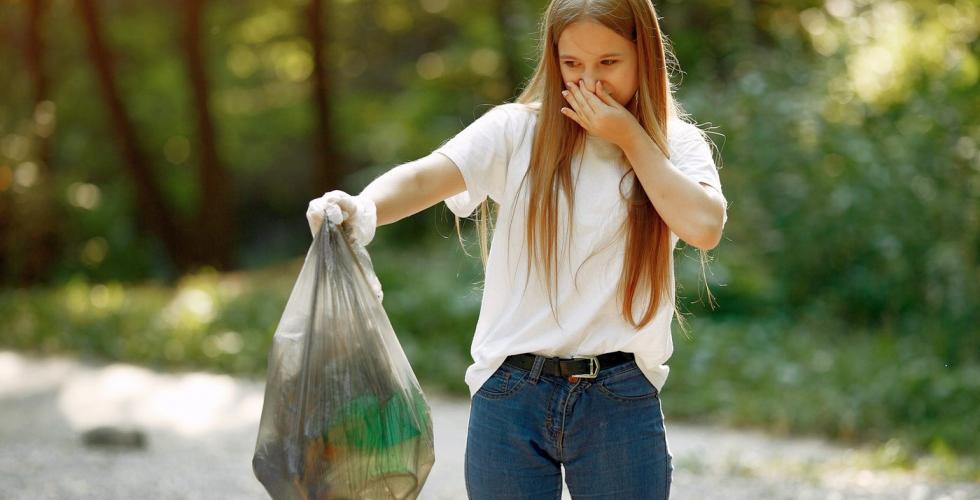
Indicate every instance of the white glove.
{"type": "Point", "coordinates": [357, 215]}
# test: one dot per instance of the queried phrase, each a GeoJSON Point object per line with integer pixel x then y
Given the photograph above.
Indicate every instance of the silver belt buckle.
{"type": "Point", "coordinates": [593, 366]}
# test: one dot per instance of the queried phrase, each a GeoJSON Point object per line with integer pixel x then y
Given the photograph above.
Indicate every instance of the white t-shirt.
{"type": "Point", "coordinates": [516, 316]}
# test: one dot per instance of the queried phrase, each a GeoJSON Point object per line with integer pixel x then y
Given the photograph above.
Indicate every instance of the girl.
{"type": "Point", "coordinates": [597, 176]}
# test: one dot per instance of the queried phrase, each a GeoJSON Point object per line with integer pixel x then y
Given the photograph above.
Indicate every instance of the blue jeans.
{"type": "Point", "coordinates": [608, 432]}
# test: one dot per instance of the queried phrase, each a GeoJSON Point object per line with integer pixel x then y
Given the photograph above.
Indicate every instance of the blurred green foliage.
{"type": "Point", "coordinates": [831, 379]}
{"type": "Point", "coordinates": [848, 134]}
{"type": "Point", "coordinates": [225, 321]}
{"type": "Point", "coordinates": [813, 377]}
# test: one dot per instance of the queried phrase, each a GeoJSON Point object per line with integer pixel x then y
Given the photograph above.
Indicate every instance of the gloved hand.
{"type": "Point", "coordinates": [357, 217]}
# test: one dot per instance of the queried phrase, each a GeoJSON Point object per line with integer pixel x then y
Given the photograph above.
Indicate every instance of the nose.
{"type": "Point", "coordinates": [589, 82]}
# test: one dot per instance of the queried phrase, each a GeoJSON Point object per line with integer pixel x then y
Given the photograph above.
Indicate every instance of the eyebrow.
{"type": "Point", "coordinates": [611, 54]}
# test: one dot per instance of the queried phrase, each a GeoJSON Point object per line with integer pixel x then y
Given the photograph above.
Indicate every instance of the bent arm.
{"type": "Point", "coordinates": [414, 186]}
{"type": "Point", "coordinates": [693, 210]}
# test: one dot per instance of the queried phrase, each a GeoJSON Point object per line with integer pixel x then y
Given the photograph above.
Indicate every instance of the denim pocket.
{"type": "Point", "coordinates": [628, 385]}
{"type": "Point", "coordinates": [504, 382]}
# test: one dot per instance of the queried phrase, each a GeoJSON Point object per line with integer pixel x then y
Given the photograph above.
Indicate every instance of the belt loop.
{"type": "Point", "coordinates": [536, 369]}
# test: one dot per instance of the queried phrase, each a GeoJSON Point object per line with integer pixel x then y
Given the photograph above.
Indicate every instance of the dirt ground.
{"type": "Point", "coordinates": [201, 431]}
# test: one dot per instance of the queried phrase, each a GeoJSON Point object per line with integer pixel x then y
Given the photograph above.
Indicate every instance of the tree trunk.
{"type": "Point", "coordinates": [29, 241]}
{"type": "Point", "coordinates": [153, 211]}
{"type": "Point", "coordinates": [216, 227]}
{"type": "Point", "coordinates": [328, 171]}
{"type": "Point", "coordinates": [34, 54]}
{"type": "Point", "coordinates": [40, 232]}
{"type": "Point", "coordinates": [505, 13]}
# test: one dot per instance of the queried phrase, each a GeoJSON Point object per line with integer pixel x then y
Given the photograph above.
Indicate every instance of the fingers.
{"type": "Point", "coordinates": [324, 207]}
{"type": "Point", "coordinates": [575, 104]}
{"type": "Point", "coordinates": [334, 204]}
{"type": "Point", "coordinates": [604, 95]}
{"type": "Point", "coordinates": [578, 99]}
{"type": "Point", "coordinates": [571, 114]}
{"type": "Point", "coordinates": [356, 215]}
{"type": "Point", "coordinates": [592, 98]}
{"type": "Point", "coordinates": [314, 215]}
{"type": "Point", "coordinates": [346, 204]}
{"type": "Point", "coordinates": [573, 100]}
{"type": "Point", "coordinates": [315, 220]}
{"type": "Point", "coordinates": [336, 197]}
{"type": "Point", "coordinates": [334, 213]}
{"type": "Point", "coordinates": [365, 220]}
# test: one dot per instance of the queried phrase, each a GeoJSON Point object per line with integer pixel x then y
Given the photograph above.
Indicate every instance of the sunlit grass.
{"type": "Point", "coordinates": [891, 390]}
{"type": "Point", "coordinates": [788, 377]}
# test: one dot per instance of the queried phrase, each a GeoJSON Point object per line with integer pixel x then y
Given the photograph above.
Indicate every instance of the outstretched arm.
{"type": "Point", "coordinates": [414, 186]}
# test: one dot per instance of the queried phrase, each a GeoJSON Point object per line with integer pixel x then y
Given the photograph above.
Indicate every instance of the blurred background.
{"type": "Point", "coordinates": [156, 160]}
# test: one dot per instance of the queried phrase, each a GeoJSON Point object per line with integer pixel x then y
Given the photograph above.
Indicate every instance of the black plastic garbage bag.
{"type": "Point", "coordinates": [344, 416]}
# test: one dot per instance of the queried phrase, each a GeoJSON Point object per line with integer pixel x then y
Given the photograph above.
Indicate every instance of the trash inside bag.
{"type": "Point", "coordinates": [344, 416]}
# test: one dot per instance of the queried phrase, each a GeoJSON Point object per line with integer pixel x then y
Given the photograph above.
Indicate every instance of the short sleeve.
{"type": "Point", "coordinates": [481, 151]}
{"type": "Point", "coordinates": [691, 154]}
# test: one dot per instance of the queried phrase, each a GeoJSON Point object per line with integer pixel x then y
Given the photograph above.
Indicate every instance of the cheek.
{"type": "Point", "coordinates": [625, 77]}
{"type": "Point", "coordinates": [622, 85]}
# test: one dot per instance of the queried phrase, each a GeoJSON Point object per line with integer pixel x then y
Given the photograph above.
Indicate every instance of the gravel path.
{"type": "Point", "coordinates": [201, 432]}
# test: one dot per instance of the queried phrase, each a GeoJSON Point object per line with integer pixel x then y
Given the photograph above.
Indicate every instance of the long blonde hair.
{"type": "Point", "coordinates": [557, 138]}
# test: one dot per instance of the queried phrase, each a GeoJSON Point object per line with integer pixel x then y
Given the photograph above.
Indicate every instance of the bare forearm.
{"type": "Point", "coordinates": [412, 187]}
{"type": "Point", "coordinates": [392, 194]}
{"type": "Point", "coordinates": [688, 208]}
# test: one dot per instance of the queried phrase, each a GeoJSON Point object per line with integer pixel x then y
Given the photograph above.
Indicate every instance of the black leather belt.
{"type": "Point", "coordinates": [578, 366]}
